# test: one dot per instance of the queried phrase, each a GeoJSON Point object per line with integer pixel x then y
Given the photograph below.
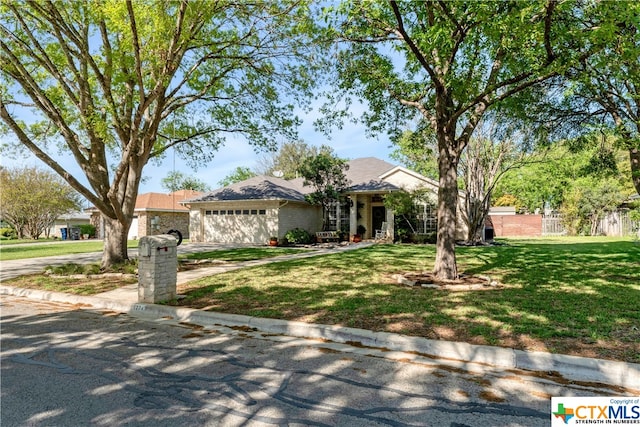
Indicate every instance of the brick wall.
{"type": "Point", "coordinates": [517, 225]}
{"type": "Point", "coordinates": [166, 221]}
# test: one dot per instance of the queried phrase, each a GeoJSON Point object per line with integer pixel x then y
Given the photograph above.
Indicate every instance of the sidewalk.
{"type": "Point", "coordinates": [467, 356]}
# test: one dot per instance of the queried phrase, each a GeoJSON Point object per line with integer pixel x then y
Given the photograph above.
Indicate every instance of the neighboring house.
{"type": "Point", "coordinates": [253, 210]}
{"type": "Point", "coordinates": [155, 213]}
{"type": "Point", "coordinates": [68, 221]}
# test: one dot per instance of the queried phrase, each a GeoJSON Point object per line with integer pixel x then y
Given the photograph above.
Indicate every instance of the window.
{"type": "Point", "coordinates": [427, 218]}
{"type": "Point", "coordinates": [332, 216]}
{"type": "Point", "coordinates": [238, 212]}
{"type": "Point", "coordinates": [207, 212]}
{"type": "Point", "coordinates": [262, 212]}
{"type": "Point", "coordinates": [345, 217]}
{"type": "Point", "coordinates": [338, 216]}
{"type": "Point", "coordinates": [223, 212]}
{"type": "Point", "coordinates": [245, 212]}
{"type": "Point", "coordinates": [254, 211]}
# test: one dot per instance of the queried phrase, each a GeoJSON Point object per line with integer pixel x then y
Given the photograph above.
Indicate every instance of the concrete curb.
{"type": "Point", "coordinates": [571, 368]}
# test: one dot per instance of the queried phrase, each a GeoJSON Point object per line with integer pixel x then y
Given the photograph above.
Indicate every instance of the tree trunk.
{"type": "Point", "coordinates": [634, 156]}
{"type": "Point", "coordinates": [115, 242]}
{"type": "Point", "coordinates": [445, 264]}
{"type": "Point", "coordinates": [475, 202]}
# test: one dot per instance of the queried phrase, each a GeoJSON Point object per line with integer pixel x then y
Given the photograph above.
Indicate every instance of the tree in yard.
{"type": "Point", "coordinates": [448, 63]}
{"type": "Point", "coordinates": [175, 181]}
{"type": "Point", "coordinates": [417, 150]}
{"type": "Point", "coordinates": [32, 199]}
{"type": "Point", "coordinates": [586, 202]}
{"type": "Point", "coordinates": [239, 174]}
{"type": "Point", "coordinates": [326, 174]}
{"type": "Point", "coordinates": [115, 84]}
{"type": "Point", "coordinates": [287, 159]}
{"type": "Point", "coordinates": [488, 156]}
{"type": "Point", "coordinates": [603, 90]}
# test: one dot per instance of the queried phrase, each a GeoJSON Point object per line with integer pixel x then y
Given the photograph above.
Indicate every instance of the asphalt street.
{"type": "Point", "coordinates": [62, 365]}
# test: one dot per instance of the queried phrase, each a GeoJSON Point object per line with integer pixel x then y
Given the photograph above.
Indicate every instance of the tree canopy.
{"type": "Point", "coordinates": [326, 174]}
{"type": "Point", "coordinates": [32, 199]}
{"type": "Point", "coordinates": [448, 63]}
{"type": "Point", "coordinates": [176, 180]}
{"type": "Point", "coordinates": [239, 174]}
{"type": "Point", "coordinates": [117, 83]}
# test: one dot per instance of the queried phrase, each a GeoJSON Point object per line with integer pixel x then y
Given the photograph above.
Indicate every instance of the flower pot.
{"type": "Point", "coordinates": [356, 238]}
{"type": "Point", "coordinates": [273, 242]}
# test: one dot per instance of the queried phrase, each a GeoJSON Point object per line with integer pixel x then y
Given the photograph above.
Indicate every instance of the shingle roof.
{"type": "Point", "coordinates": [256, 188]}
{"type": "Point", "coordinates": [363, 176]}
{"type": "Point", "coordinates": [161, 201]}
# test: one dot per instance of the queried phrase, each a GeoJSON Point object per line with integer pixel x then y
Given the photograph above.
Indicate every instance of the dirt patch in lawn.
{"type": "Point", "coordinates": [427, 280]}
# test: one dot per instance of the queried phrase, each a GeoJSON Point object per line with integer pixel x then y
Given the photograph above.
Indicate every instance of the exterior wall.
{"type": "Point", "coordinates": [408, 182]}
{"type": "Point", "coordinates": [96, 221]}
{"type": "Point", "coordinates": [196, 226]}
{"type": "Point", "coordinates": [239, 228]}
{"type": "Point", "coordinates": [462, 230]}
{"type": "Point", "coordinates": [134, 232]}
{"type": "Point", "coordinates": [297, 215]}
{"type": "Point", "coordinates": [56, 229]}
{"type": "Point", "coordinates": [517, 225]}
{"type": "Point", "coordinates": [166, 221]}
{"type": "Point", "coordinates": [141, 224]}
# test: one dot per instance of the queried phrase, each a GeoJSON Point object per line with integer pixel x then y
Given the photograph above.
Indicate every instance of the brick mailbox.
{"type": "Point", "coordinates": [157, 268]}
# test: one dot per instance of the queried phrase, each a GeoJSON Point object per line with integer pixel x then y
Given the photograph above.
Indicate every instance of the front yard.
{"type": "Point", "coordinates": [578, 297]}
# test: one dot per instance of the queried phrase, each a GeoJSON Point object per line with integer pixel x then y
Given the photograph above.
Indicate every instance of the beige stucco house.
{"type": "Point", "coordinates": [253, 210]}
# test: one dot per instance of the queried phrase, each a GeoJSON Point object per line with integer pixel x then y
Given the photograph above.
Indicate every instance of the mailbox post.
{"type": "Point", "coordinates": [157, 268]}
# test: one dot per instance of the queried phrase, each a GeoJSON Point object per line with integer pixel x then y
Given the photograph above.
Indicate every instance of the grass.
{"type": "Point", "coordinates": [561, 295]}
{"type": "Point", "coordinates": [241, 255]}
{"type": "Point", "coordinates": [9, 253]}
{"type": "Point", "coordinates": [565, 295]}
{"type": "Point", "coordinates": [7, 242]}
{"type": "Point", "coordinates": [71, 285]}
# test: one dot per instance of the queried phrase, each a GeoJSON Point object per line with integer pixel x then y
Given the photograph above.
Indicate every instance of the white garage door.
{"type": "Point", "coordinates": [240, 225]}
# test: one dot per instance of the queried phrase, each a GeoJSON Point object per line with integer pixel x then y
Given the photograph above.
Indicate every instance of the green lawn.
{"type": "Point", "coordinates": [10, 252]}
{"type": "Point", "coordinates": [242, 254]}
{"type": "Point", "coordinates": [575, 296]}
{"type": "Point", "coordinates": [8, 242]}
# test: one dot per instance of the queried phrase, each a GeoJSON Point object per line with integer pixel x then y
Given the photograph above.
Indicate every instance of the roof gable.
{"type": "Point", "coordinates": [257, 188]}
{"type": "Point", "coordinates": [161, 201]}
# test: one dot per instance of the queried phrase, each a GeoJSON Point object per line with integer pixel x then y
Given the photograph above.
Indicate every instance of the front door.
{"type": "Point", "coordinates": [378, 216]}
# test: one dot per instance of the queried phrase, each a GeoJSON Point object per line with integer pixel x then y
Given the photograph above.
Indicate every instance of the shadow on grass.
{"type": "Point", "coordinates": [579, 298]}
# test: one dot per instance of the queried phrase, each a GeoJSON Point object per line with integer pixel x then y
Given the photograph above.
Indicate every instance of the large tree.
{"type": "Point", "coordinates": [449, 63]}
{"type": "Point", "coordinates": [32, 199]}
{"type": "Point", "coordinates": [604, 89]}
{"type": "Point", "coordinates": [116, 83]}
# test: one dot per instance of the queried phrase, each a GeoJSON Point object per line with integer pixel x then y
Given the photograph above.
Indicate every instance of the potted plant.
{"type": "Point", "coordinates": [273, 241]}
{"type": "Point", "coordinates": [360, 230]}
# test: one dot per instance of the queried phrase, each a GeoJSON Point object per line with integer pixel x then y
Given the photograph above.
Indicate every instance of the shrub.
{"type": "Point", "coordinates": [298, 236]}
{"type": "Point", "coordinates": [88, 229]}
{"type": "Point", "coordinates": [8, 232]}
{"type": "Point", "coordinates": [429, 238]}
